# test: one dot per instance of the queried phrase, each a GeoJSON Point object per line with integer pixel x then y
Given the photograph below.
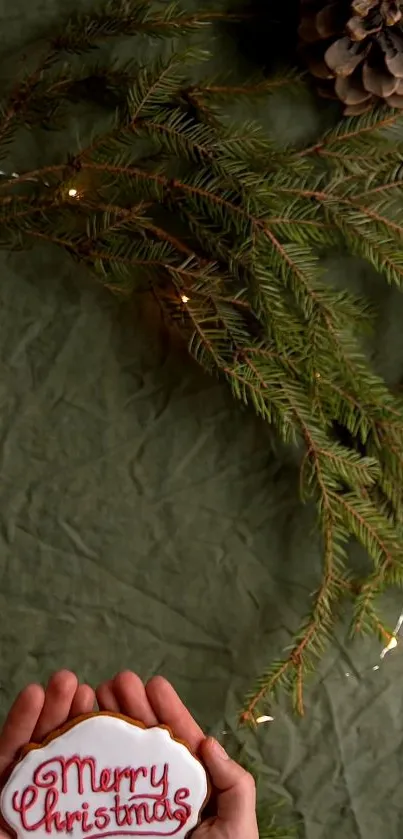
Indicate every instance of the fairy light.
{"type": "Point", "coordinates": [264, 718]}
{"type": "Point", "coordinates": [394, 638]}
{"type": "Point", "coordinates": [72, 192]}
{"type": "Point", "coordinates": [390, 646]}
{"type": "Point", "coordinates": [184, 298]}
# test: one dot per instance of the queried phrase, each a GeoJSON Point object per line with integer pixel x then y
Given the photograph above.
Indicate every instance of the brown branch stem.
{"type": "Point", "coordinates": [348, 135]}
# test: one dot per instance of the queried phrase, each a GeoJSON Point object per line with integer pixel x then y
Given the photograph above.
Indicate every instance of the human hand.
{"type": "Point", "coordinates": [158, 703]}
{"type": "Point", "coordinates": [37, 712]}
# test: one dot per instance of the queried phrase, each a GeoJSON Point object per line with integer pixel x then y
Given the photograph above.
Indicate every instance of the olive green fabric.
{"type": "Point", "coordinates": [146, 521]}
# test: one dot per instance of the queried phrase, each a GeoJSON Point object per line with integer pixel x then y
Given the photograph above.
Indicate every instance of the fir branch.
{"type": "Point", "coordinates": [125, 18]}
{"type": "Point", "coordinates": [14, 108]}
{"type": "Point", "coordinates": [227, 233]}
{"type": "Point", "coordinates": [381, 188]}
{"type": "Point", "coordinates": [350, 130]}
{"type": "Point", "coordinates": [252, 88]}
{"type": "Point", "coordinates": [153, 89]}
{"type": "Point", "coordinates": [310, 639]}
{"type": "Point", "coordinates": [382, 254]}
{"type": "Point", "coordinates": [365, 618]}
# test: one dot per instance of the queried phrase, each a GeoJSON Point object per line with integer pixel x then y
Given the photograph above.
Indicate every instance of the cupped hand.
{"type": "Point", "coordinates": [158, 703]}
{"type": "Point", "coordinates": [37, 712]}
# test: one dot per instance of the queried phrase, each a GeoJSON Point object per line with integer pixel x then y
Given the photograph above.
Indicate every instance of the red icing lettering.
{"type": "Point", "coordinates": [122, 813]}
{"type": "Point", "coordinates": [86, 825]}
{"type": "Point", "coordinates": [134, 773]}
{"type": "Point", "coordinates": [45, 778]}
{"type": "Point", "coordinates": [70, 819]}
{"type": "Point", "coordinates": [28, 798]}
{"type": "Point", "coordinates": [163, 781]}
{"type": "Point", "coordinates": [105, 780]}
{"type": "Point", "coordinates": [40, 804]}
{"type": "Point", "coordinates": [118, 776]}
{"type": "Point", "coordinates": [101, 819]}
{"type": "Point", "coordinates": [26, 803]}
{"type": "Point", "coordinates": [51, 817]}
{"type": "Point", "coordinates": [81, 764]}
{"type": "Point", "coordinates": [109, 780]}
{"type": "Point", "coordinates": [130, 774]}
{"type": "Point", "coordinates": [162, 811]}
{"type": "Point", "coordinates": [185, 811]}
{"type": "Point", "coordinates": [141, 813]}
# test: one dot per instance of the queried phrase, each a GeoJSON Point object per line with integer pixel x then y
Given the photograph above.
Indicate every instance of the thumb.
{"type": "Point", "coordinates": [236, 791]}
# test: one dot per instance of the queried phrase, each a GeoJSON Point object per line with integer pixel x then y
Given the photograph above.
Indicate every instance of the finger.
{"type": "Point", "coordinates": [106, 698]}
{"type": "Point", "coordinates": [132, 698]}
{"type": "Point", "coordinates": [83, 702]}
{"type": "Point", "coordinates": [20, 723]}
{"type": "Point", "coordinates": [59, 696]}
{"type": "Point", "coordinates": [236, 799]}
{"type": "Point", "coordinates": [171, 711]}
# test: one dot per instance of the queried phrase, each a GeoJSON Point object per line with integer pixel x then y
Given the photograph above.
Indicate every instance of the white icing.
{"type": "Point", "coordinates": [112, 743]}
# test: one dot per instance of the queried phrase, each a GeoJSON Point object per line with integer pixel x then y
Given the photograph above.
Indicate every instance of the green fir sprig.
{"type": "Point", "coordinates": [227, 231]}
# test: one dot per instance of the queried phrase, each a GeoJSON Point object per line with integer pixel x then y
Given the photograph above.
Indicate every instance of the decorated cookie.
{"type": "Point", "coordinates": [105, 775]}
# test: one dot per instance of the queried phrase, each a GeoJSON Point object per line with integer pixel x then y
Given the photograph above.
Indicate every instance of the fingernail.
{"type": "Point", "coordinates": [220, 752]}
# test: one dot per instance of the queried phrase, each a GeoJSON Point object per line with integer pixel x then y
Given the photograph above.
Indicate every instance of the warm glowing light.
{"type": "Point", "coordinates": [73, 193]}
{"type": "Point", "coordinates": [391, 646]}
{"type": "Point", "coordinates": [264, 718]}
{"type": "Point", "coordinates": [184, 298]}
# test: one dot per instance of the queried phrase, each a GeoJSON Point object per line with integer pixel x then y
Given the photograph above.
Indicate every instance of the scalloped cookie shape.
{"type": "Point", "coordinates": [105, 776]}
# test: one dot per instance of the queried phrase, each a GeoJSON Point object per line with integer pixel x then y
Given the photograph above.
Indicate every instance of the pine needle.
{"type": "Point", "coordinates": [227, 233]}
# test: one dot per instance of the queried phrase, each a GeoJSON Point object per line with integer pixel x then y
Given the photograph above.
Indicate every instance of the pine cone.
{"type": "Point", "coordinates": [355, 48]}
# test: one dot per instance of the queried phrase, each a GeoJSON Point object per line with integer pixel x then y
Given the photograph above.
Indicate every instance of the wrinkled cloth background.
{"type": "Point", "coordinates": [146, 521]}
